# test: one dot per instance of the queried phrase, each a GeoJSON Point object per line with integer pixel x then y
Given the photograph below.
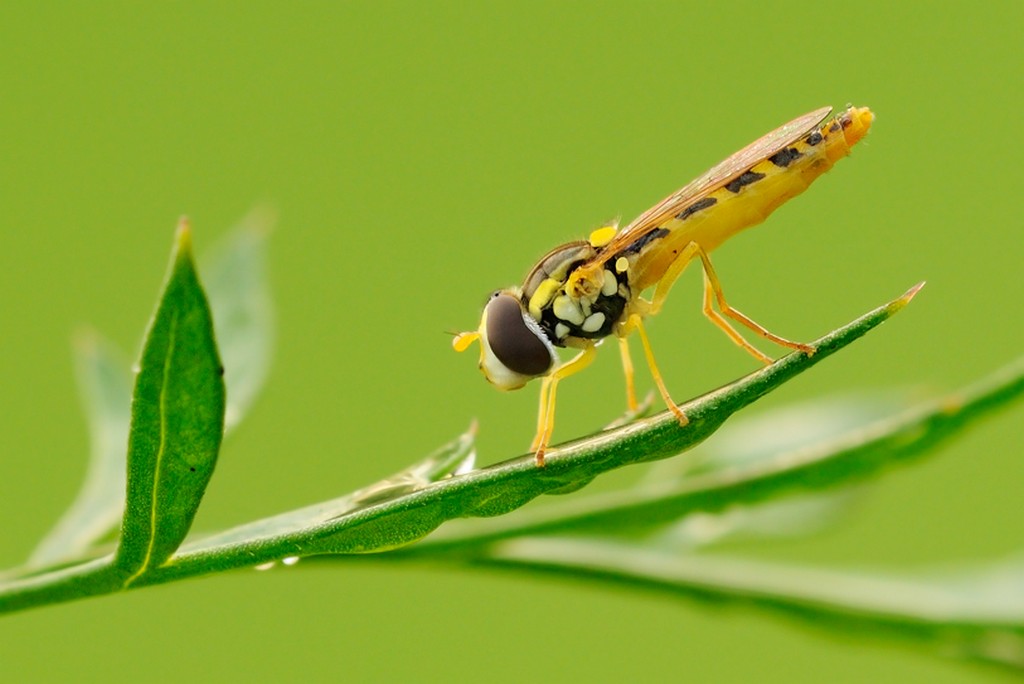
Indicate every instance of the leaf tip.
{"type": "Point", "coordinates": [85, 340]}
{"type": "Point", "coordinates": [261, 220]}
{"type": "Point", "coordinates": [909, 294]}
{"type": "Point", "coordinates": [183, 236]}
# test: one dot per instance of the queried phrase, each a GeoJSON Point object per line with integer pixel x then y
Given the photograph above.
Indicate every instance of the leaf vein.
{"type": "Point", "coordinates": [147, 559]}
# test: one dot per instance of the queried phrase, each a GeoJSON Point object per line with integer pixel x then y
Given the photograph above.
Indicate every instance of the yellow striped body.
{"type": "Point", "coordinates": [584, 290]}
{"type": "Point", "coordinates": [737, 206]}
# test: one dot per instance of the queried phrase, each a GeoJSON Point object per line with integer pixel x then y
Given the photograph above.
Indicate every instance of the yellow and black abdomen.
{"type": "Point", "coordinates": [748, 198]}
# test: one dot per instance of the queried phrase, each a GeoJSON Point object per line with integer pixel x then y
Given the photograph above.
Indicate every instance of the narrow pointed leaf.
{"type": "Point", "coordinates": [177, 420]}
{"type": "Point", "coordinates": [106, 390]}
{"type": "Point", "coordinates": [235, 276]}
{"type": "Point", "coordinates": [243, 319]}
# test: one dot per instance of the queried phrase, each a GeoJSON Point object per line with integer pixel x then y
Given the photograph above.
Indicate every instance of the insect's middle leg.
{"type": "Point", "coordinates": [635, 323]}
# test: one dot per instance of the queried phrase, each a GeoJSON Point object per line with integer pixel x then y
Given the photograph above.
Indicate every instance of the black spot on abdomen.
{"type": "Point", "coordinates": [744, 179]}
{"type": "Point", "coordinates": [642, 241]}
{"type": "Point", "coordinates": [695, 207]}
{"type": "Point", "coordinates": [784, 158]}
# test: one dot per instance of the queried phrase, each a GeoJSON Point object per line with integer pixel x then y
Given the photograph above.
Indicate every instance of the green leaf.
{"type": "Point", "coordinates": [177, 420]}
{"type": "Point", "coordinates": [974, 612]}
{"type": "Point", "coordinates": [235, 275]}
{"type": "Point", "coordinates": [106, 391]}
{"type": "Point", "coordinates": [239, 297]}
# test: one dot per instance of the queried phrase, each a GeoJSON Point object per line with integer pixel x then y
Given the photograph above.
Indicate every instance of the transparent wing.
{"type": "Point", "coordinates": [716, 177]}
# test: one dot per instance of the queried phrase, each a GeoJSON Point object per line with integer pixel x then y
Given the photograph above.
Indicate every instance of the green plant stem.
{"type": "Point", "coordinates": [91, 578]}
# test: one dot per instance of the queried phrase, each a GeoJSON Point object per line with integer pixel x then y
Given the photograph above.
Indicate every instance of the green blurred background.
{"type": "Point", "coordinates": [422, 154]}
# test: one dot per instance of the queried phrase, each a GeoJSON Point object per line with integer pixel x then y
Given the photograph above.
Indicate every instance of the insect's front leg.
{"type": "Point", "coordinates": [546, 415]}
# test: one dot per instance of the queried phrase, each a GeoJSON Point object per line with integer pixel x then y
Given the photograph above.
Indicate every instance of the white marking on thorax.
{"type": "Point", "coordinates": [567, 310]}
{"type": "Point", "coordinates": [594, 322]}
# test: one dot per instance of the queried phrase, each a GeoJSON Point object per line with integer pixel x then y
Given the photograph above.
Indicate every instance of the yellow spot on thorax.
{"type": "Point", "coordinates": [603, 235]}
{"type": "Point", "coordinates": [621, 264]}
{"type": "Point", "coordinates": [544, 294]}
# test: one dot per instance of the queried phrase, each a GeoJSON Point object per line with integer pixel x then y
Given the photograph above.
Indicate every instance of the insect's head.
{"type": "Point", "coordinates": [513, 347]}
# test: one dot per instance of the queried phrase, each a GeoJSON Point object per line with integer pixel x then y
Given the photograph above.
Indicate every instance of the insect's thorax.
{"type": "Point", "coordinates": [581, 313]}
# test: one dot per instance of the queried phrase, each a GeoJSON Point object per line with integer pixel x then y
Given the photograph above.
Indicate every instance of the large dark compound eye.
{"type": "Point", "coordinates": [514, 343]}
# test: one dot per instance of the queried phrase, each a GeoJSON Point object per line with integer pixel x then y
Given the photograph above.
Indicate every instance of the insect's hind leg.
{"type": "Point", "coordinates": [713, 292]}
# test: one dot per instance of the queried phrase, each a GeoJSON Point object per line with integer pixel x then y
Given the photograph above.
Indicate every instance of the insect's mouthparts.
{"type": "Point", "coordinates": [579, 285]}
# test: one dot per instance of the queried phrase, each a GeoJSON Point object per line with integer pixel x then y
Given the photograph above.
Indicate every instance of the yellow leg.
{"type": "Point", "coordinates": [713, 286]}
{"type": "Point", "coordinates": [635, 322]}
{"type": "Point", "coordinates": [627, 369]}
{"type": "Point", "coordinates": [546, 418]}
{"type": "Point", "coordinates": [716, 318]}
{"type": "Point", "coordinates": [539, 442]}
{"type": "Point", "coordinates": [542, 412]}
{"type": "Point", "coordinates": [713, 292]}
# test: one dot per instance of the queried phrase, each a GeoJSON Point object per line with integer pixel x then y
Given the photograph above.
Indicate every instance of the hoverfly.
{"type": "Point", "coordinates": [583, 291]}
